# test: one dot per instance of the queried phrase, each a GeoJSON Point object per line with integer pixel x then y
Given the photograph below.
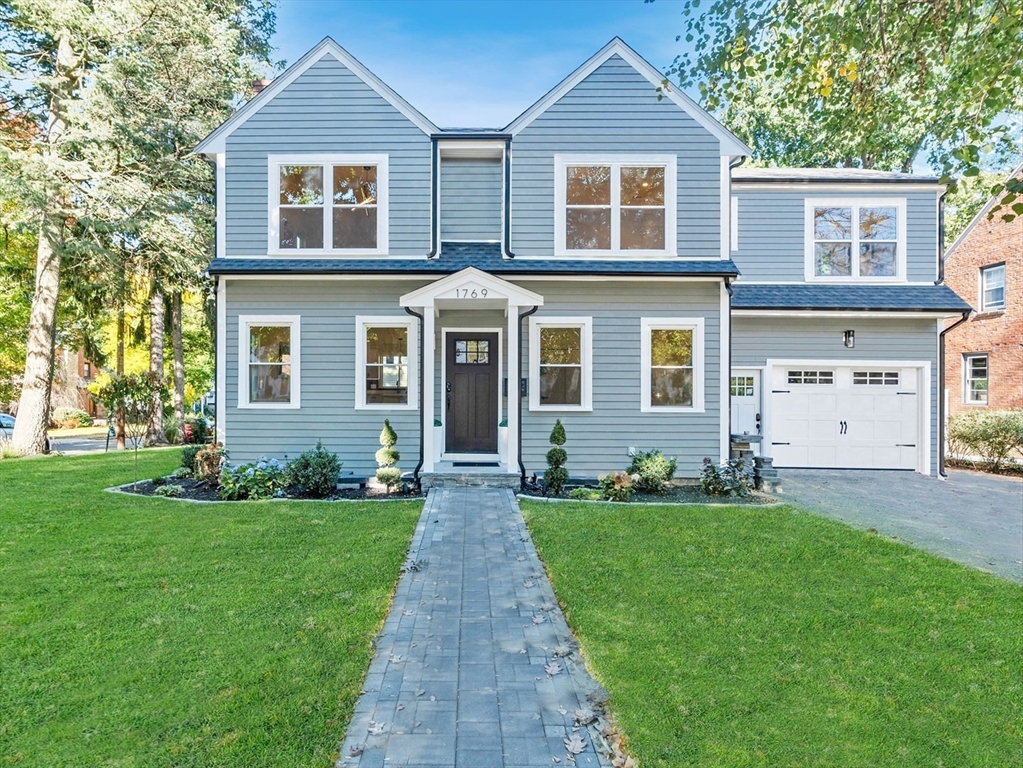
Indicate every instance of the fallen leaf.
{"type": "Point", "coordinates": [355, 750]}
{"type": "Point", "coordinates": [539, 618]}
{"type": "Point", "coordinates": [394, 658]}
{"type": "Point", "coordinates": [528, 584]}
{"type": "Point", "coordinates": [562, 710]}
{"type": "Point", "coordinates": [553, 669]}
{"type": "Point", "coordinates": [520, 558]}
{"type": "Point", "coordinates": [407, 612]}
{"type": "Point", "coordinates": [584, 716]}
{"type": "Point", "coordinates": [523, 650]}
{"type": "Point", "coordinates": [562, 650]}
{"type": "Point", "coordinates": [375, 728]}
{"type": "Point", "coordinates": [556, 759]}
{"type": "Point", "coordinates": [420, 691]}
{"type": "Point", "coordinates": [400, 707]}
{"type": "Point", "coordinates": [433, 698]}
{"type": "Point", "coordinates": [575, 745]}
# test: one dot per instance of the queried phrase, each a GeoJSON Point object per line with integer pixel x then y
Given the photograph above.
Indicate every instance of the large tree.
{"type": "Point", "coordinates": [864, 83]}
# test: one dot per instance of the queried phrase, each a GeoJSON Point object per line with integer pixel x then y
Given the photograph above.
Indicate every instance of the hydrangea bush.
{"type": "Point", "coordinates": [263, 479]}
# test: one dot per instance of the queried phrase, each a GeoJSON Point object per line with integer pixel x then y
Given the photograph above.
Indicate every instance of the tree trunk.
{"type": "Point", "coordinates": [179, 362]}
{"type": "Point", "coordinates": [34, 407]}
{"type": "Point", "coordinates": [119, 416]}
{"type": "Point", "coordinates": [155, 436]}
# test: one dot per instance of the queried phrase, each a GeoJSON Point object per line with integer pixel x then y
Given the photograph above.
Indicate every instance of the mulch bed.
{"type": "Point", "coordinates": [194, 490]}
{"type": "Point", "coordinates": [676, 494]}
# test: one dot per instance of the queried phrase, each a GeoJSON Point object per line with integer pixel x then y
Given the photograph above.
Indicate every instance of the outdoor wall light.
{"type": "Point", "coordinates": [849, 339]}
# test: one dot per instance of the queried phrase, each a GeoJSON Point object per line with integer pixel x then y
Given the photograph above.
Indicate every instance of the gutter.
{"type": "Point", "coordinates": [507, 251]}
{"type": "Point", "coordinates": [422, 425]}
{"type": "Point", "coordinates": [941, 391]}
{"type": "Point", "coordinates": [518, 394]}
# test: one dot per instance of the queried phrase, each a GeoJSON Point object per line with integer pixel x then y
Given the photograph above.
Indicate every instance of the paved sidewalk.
{"type": "Point", "coordinates": [459, 676]}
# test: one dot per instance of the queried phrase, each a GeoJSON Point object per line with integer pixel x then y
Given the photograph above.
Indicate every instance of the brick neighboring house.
{"type": "Point", "coordinates": [984, 356]}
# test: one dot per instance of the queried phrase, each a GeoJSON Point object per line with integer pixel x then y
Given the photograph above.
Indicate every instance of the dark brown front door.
{"type": "Point", "coordinates": [470, 402]}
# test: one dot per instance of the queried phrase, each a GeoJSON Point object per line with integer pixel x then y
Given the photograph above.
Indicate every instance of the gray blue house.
{"type": "Point", "coordinates": [604, 259]}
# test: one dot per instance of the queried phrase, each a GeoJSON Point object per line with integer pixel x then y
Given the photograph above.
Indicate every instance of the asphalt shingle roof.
{"type": "Point", "coordinates": [856, 298]}
{"type": "Point", "coordinates": [828, 174]}
{"type": "Point", "coordinates": [455, 257]}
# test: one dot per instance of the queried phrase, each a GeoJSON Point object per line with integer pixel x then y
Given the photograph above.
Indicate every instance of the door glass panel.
{"type": "Point", "coordinates": [472, 352]}
{"type": "Point", "coordinates": [742, 386]}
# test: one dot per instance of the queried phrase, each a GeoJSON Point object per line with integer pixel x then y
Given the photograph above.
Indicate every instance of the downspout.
{"type": "Point", "coordinates": [422, 379]}
{"type": "Point", "coordinates": [941, 391]}
{"type": "Point", "coordinates": [518, 393]}
{"type": "Point", "coordinates": [731, 353]}
{"type": "Point", "coordinates": [737, 162]}
{"type": "Point", "coordinates": [216, 378]}
{"type": "Point", "coordinates": [507, 205]}
{"type": "Point", "coordinates": [435, 206]}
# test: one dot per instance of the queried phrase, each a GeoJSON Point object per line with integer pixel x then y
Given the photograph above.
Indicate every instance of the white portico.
{"type": "Point", "coordinates": [471, 343]}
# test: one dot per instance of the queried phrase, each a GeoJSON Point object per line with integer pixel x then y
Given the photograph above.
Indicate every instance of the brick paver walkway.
{"type": "Point", "coordinates": [461, 676]}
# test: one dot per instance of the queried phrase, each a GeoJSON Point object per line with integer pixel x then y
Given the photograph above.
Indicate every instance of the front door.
{"type": "Point", "coordinates": [471, 396]}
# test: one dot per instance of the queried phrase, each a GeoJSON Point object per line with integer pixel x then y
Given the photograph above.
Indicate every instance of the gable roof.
{"type": "Point", "coordinates": [216, 141]}
{"type": "Point", "coordinates": [730, 143]}
{"type": "Point", "coordinates": [983, 213]}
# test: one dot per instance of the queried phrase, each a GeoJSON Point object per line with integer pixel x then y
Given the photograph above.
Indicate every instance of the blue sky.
{"type": "Point", "coordinates": [477, 63]}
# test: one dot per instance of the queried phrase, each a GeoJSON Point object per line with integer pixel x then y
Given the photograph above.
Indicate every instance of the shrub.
{"type": "Point", "coordinates": [992, 435]}
{"type": "Point", "coordinates": [616, 486]}
{"type": "Point", "coordinates": [181, 472]}
{"type": "Point", "coordinates": [188, 454]}
{"type": "Point", "coordinates": [263, 479]}
{"type": "Point", "coordinates": [7, 449]}
{"type": "Point", "coordinates": [208, 463]}
{"type": "Point", "coordinates": [159, 480]}
{"type": "Point", "coordinates": [70, 418]}
{"type": "Point", "coordinates": [388, 474]}
{"type": "Point", "coordinates": [556, 476]}
{"type": "Point", "coordinates": [315, 471]}
{"type": "Point", "coordinates": [655, 471]}
{"type": "Point", "coordinates": [197, 429]}
{"type": "Point", "coordinates": [733, 478]}
{"type": "Point", "coordinates": [173, 430]}
{"type": "Point", "coordinates": [585, 494]}
{"type": "Point", "coordinates": [169, 491]}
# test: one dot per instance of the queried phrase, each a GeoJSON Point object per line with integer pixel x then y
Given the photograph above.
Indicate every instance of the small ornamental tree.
{"type": "Point", "coordinates": [387, 473]}
{"type": "Point", "coordinates": [556, 476]}
{"type": "Point", "coordinates": [137, 396]}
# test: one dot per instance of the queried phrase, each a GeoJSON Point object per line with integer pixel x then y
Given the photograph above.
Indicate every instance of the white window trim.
{"type": "Point", "coordinates": [294, 323]}
{"type": "Point", "coordinates": [362, 322]}
{"type": "Point", "coordinates": [696, 325]}
{"type": "Point", "coordinates": [670, 163]}
{"type": "Point", "coordinates": [967, 379]}
{"type": "Point", "coordinates": [274, 162]}
{"type": "Point", "coordinates": [980, 299]}
{"type": "Point", "coordinates": [899, 203]}
{"type": "Point", "coordinates": [585, 324]}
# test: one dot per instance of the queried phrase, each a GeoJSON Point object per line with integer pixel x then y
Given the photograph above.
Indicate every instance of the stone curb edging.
{"type": "Point", "coordinates": [120, 489]}
{"type": "Point", "coordinates": [548, 500]}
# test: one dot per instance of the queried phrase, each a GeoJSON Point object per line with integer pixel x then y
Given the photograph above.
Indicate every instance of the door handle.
{"type": "Point", "coordinates": [449, 402]}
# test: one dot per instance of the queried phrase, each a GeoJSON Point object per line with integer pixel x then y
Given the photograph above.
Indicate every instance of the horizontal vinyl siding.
{"type": "Point", "coordinates": [327, 371]}
{"type": "Point", "coordinates": [471, 199]}
{"type": "Point", "coordinates": [615, 110]}
{"type": "Point", "coordinates": [328, 110]}
{"type": "Point", "coordinates": [754, 340]}
{"type": "Point", "coordinates": [772, 236]}
{"type": "Point", "coordinates": [598, 441]}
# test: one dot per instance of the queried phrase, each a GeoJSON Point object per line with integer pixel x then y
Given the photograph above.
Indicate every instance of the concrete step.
{"type": "Point", "coordinates": [469, 479]}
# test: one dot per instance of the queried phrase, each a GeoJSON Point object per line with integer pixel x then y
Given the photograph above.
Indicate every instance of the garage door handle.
{"type": "Point", "coordinates": [781, 443]}
{"type": "Point", "coordinates": [905, 445]}
{"type": "Point", "coordinates": [781, 391]}
{"type": "Point", "coordinates": [905, 393]}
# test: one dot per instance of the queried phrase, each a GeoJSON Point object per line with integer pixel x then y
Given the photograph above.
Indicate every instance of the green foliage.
{"type": "Point", "coordinates": [316, 471]}
{"type": "Point", "coordinates": [137, 396]}
{"type": "Point", "coordinates": [556, 457]}
{"type": "Point", "coordinates": [168, 491]}
{"type": "Point", "coordinates": [263, 479]}
{"type": "Point", "coordinates": [556, 476]}
{"type": "Point", "coordinates": [616, 486]}
{"type": "Point", "coordinates": [199, 428]}
{"type": "Point", "coordinates": [181, 472]}
{"type": "Point", "coordinates": [557, 434]}
{"type": "Point", "coordinates": [387, 457]}
{"type": "Point", "coordinates": [388, 474]}
{"type": "Point", "coordinates": [209, 460]}
{"type": "Point", "coordinates": [654, 469]}
{"type": "Point", "coordinates": [388, 437]}
{"type": "Point", "coordinates": [994, 436]}
{"type": "Point", "coordinates": [159, 480]}
{"type": "Point", "coordinates": [585, 494]}
{"type": "Point", "coordinates": [188, 454]}
{"type": "Point", "coordinates": [733, 478]}
{"type": "Point", "coordinates": [70, 418]}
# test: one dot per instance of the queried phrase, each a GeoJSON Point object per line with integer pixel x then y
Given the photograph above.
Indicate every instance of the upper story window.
{"type": "Point", "coordinates": [992, 288]}
{"type": "Point", "coordinates": [856, 239]}
{"type": "Point", "coordinates": [615, 206]}
{"type": "Point", "coordinates": [333, 204]}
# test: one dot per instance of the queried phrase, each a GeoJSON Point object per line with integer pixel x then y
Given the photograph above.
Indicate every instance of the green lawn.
{"type": "Point", "coordinates": [149, 632]}
{"type": "Point", "coordinates": [750, 636]}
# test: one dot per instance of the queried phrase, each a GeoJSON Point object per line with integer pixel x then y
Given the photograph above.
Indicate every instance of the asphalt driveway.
{"type": "Point", "coordinates": [972, 518]}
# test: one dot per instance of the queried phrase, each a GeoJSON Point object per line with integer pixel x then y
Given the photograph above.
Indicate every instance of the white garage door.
{"type": "Point", "coordinates": [844, 417]}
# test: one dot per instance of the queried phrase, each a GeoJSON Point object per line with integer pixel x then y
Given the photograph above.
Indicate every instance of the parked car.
{"type": "Point", "coordinates": [7, 429]}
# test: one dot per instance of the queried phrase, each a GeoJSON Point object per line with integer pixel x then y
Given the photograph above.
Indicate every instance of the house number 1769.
{"type": "Point", "coordinates": [470, 293]}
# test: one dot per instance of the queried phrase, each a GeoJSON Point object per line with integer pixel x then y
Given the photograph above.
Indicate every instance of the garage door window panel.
{"type": "Point", "coordinates": [876, 378]}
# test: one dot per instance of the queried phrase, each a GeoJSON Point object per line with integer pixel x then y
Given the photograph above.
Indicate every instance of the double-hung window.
{"type": "Point", "coordinates": [334, 204]}
{"type": "Point", "coordinates": [386, 375]}
{"type": "Point", "coordinates": [856, 239]}
{"type": "Point", "coordinates": [615, 206]}
{"type": "Point", "coordinates": [975, 379]}
{"type": "Point", "coordinates": [268, 361]}
{"type": "Point", "coordinates": [992, 288]}
{"type": "Point", "coordinates": [672, 364]}
{"type": "Point", "coordinates": [561, 363]}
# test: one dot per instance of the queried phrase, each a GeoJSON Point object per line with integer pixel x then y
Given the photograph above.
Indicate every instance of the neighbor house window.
{"type": "Point", "coordinates": [856, 240]}
{"type": "Point", "coordinates": [386, 372]}
{"type": "Point", "coordinates": [975, 368]}
{"type": "Point", "coordinates": [672, 364]}
{"type": "Point", "coordinates": [328, 204]}
{"type": "Point", "coordinates": [992, 288]}
{"type": "Point", "coordinates": [560, 364]}
{"type": "Point", "coordinates": [615, 206]}
{"type": "Point", "coordinates": [268, 361]}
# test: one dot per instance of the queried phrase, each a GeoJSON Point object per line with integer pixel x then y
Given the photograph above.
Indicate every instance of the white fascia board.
{"type": "Point", "coordinates": [852, 314]}
{"type": "Point", "coordinates": [730, 143]}
{"type": "Point", "coordinates": [824, 187]}
{"type": "Point", "coordinates": [217, 141]}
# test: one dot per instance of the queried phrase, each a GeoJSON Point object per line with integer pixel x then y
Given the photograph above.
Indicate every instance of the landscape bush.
{"type": "Point", "coordinates": [733, 478]}
{"type": "Point", "coordinates": [188, 454]}
{"type": "Point", "coordinates": [169, 491]}
{"type": "Point", "coordinates": [993, 436]}
{"type": "Point", "coordinates": [208, 462]}
{"type": "Point", "coordinates": [555, 477]}
{"type": "Point", "coordinates": [585, 494]}
{"type": "Point", "coordinates": [263, 479]}
{"type": "Point", "coordinates": [655, 471]}
{"type": "Point", "coordinates": [70, 418]}
{"type": "Point", "coordinates": [616, 486]}
{"type": "Point", "coordinates": [388, 474]}
{"type": "Point", "coordinates": [315, 471]}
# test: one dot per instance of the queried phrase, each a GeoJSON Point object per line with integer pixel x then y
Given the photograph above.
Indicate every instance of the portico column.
{"type": "Point", "coordinates": [512, 458]}
{"type": "Point", "coordinates": [429, 341]}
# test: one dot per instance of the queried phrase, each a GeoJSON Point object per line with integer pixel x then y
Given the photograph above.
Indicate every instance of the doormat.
{"type": "Point", "coordinates": [475, 464]}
